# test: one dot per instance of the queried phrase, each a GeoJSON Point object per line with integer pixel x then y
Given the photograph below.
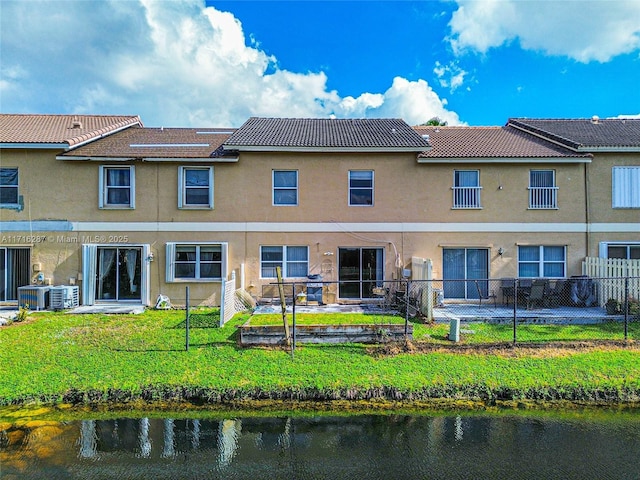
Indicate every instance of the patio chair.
{"type": "Point", "coordinates": [508, 287]}
{"type": "Point", "coordinates": [536, 294]}
{"type": "Point", "coordinates": [485, 295]}
{"type": "Point", "coordinates": [555, 296]}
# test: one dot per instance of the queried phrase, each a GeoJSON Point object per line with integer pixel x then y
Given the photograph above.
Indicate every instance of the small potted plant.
{"type": "Point", "coordinates": [612, 306]}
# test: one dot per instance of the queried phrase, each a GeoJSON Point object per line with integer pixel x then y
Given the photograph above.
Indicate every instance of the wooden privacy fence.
{"type": "Point", "coordinates": [611, 275]}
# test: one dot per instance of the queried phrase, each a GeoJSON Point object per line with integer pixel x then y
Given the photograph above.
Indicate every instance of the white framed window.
{"type": "Point", "coordinates": [466, 189]}
{"type": "Point", "coordinates": [630, 251]}
{"type": "Point", "coordinates": [285, 187]}
{"type": "Point", "coordinates": [202, 261]}
{"type": "Point", "coordinates": [625, 185]}
{"type": "Point", "coordinates": [548, 261]}
{"type": "Point", "coordinates": [293, 260]}
{"type": "Point", "coordinates": [195, 187]}
{"type": "Point", "coordinates": [117, 187]}
{"type": "Point", "coordinates": [543, 193]}
{"type": "Point", "coordinates": [361, 188]}
{"type": "Point", "coordinates": [9, 186]}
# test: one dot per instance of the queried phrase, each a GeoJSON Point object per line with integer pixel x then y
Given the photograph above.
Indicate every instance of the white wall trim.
{"type": "Point", "coordinates": [302, 227]}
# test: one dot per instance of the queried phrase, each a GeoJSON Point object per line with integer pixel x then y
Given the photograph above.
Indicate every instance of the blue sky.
{"type": "Point", "coordinates": [191, 63]}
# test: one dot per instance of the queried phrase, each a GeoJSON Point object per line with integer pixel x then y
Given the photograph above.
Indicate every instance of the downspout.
{"type": "Point", "coordinates": [587, 206]}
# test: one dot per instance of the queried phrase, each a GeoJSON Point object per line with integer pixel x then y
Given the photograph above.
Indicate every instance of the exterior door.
{"type": "Point", "coordinates": [360, 270]}
{"type": "Point", "coordinates": [119, 271]}
{"type": "Point", "coordinates": [460, 267]}
{"type": "Point", "coordinates": [14, 272]}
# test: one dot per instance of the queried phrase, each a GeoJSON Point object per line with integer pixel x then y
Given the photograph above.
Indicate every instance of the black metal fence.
{"type": "Point", "coordinates": [540, 310]}
{"type": "Point", "coordinates": [503, 310]}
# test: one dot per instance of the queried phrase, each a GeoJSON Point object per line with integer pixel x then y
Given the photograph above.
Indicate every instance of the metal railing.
{"type": "Point", "coordinates": [466, 197]}
{"type": "Point", "coordinates": [543, 197]}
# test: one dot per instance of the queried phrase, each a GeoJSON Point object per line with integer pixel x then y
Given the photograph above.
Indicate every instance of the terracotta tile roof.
{"type": "Point", "coordinates": [149, 143]}
{"type": "Point", "coordinates": [489, 142]}
{"type": "Point", "coordinates": [67, 130]}
{"type": "Point", "coordinates": [326, 133]}
{"type": "Point", "coordinates": [585, 134]}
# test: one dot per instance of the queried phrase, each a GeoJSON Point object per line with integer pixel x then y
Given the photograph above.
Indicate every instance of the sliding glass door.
{"type": "Point", "coordinates": [14, 271]}
{"type": "Point", "coordinates": [360, 270]}
{"type": "Point", "coordinates": [461, 267]}
{"type": "Point", "coordinates": [118, 274]}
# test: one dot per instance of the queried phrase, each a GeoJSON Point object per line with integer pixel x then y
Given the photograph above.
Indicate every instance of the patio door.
{"type": "Point", "coordinates": [118, 274]}
{"type": "Point", "coordinates": [360, 270]}
{"type": "Point", "coordinates": [115, 274]}
{"type": "Point", "coordinates": [460, 267]}
{"type": "Point", "coordinates": [14, 272]}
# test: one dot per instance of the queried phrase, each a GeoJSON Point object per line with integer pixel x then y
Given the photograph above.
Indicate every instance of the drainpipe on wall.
{"type": "Point", "coordinates": [587, 207]}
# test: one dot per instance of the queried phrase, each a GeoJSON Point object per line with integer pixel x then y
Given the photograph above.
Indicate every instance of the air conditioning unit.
{"type": "Point", "coordinates": [64, 296]}
{"type": "Point", "coordinates": [34, 297]}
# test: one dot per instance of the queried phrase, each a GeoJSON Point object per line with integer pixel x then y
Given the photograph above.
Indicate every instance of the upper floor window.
{"type": "Point", "coordinates": [117, 187]}
{"type": "Point", "coordinates": [628, 252]}
{"type": "Point", "coordinates": [361, 187]}
{"type": "Point", "coordinates": [196, 262]}
{"type": "Point", "coordinates": [293, 261]}
{"type": "Point", "coordinates": [285, 187]}
{"type": "Point", "coordinates": [8, 186]}
{"type": "Point", "coordinates": [626, 187]}
{"type": "Point", "coordinates": [543, 193]}
{"type": "Point", "coordinates": [196, 187]}
{"type": "Point", "coordinates": [541, 261]}
{"type": "Point", "coordinates": [466, 189]}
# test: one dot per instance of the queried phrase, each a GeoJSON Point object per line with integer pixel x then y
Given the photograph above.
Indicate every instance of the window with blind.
{"type": "Point", "coordinates": [361, 188]}
{"type": "Point", "coordinates": [466, 189]}
{"type": "Point", "coordinates": [117, 187]}
{"type": "Point", "coordinates": [548, 261]}
{"type": "Point", "coordinates": [543, 193]}
{"type": "Point", "coordinates": [293, 261]}
{"type": "Point", "coordinates": [205, 262]}
{"type": "Point", "coordinates": [625, 187]}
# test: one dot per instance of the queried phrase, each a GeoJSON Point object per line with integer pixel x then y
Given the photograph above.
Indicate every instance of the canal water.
{"type": "Point", "coordinates": [391, 447]}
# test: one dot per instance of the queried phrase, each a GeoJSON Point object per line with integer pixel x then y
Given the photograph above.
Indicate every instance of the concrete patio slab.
{"type": "Point", "coordinates": [106, 309]}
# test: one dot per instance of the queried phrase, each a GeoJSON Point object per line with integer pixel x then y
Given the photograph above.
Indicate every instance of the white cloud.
{"type": "Point", "coordinates": [415, 102]}
{"type": "Point", "coordinates": [583, 30]}
{"type": "Point", "coordinates": [175, 63]}
{"type": "Point", "coordinates": [450, 76]}
{"type": "Point", "coordinates": [623, 116]}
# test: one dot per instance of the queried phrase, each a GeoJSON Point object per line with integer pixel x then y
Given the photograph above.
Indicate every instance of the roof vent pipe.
{"type": "Point", "coordinates": [595, 119]}
{"type": "Point", "coordinates": [426, 137]}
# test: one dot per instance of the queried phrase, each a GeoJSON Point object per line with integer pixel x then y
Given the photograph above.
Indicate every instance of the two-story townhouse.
{"type": "Point", "coordinates": [612, 179]}
{"type": "Point", "coordinates": [312, 196]}
{"type": "Point", "coordinates": [140, 211]}
{"type": "Point", "coordinates": [36, 191]}
{"type": "Point", "coordinates": [503, 203]}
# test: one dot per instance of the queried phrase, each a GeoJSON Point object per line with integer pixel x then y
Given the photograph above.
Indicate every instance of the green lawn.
{"type": "Point", "coordinates": [55, 357]}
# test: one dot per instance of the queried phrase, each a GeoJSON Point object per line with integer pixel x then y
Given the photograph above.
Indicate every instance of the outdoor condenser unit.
{"type": "Point", "coordinates": [33, 297]}
{"type": "Point", "coordinates": [63, 297]}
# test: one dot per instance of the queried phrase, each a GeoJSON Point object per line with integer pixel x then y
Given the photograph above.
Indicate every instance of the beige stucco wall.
{"type": "Point", "coordinates": [406, 193]}
{"type": "Point", "coordinates": [599, 184]}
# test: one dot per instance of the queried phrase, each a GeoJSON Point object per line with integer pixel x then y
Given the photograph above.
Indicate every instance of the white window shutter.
{"type": "Point", "coordinates": [170, 260]}
{"type": "Point", "coordinates": [101, 185]}
{"type": "Point", "coordinates": [210, 187]}
{"type": "Point", "coordinates": [181, 180]}
{"type": "Point", "coordinates": [132, 179]}
{"type": "Point", "coordinates": [89, 260]}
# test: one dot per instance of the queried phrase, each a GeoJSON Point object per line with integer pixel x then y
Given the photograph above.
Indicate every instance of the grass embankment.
{"type": "Point", "coordinates": [62, 358]}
